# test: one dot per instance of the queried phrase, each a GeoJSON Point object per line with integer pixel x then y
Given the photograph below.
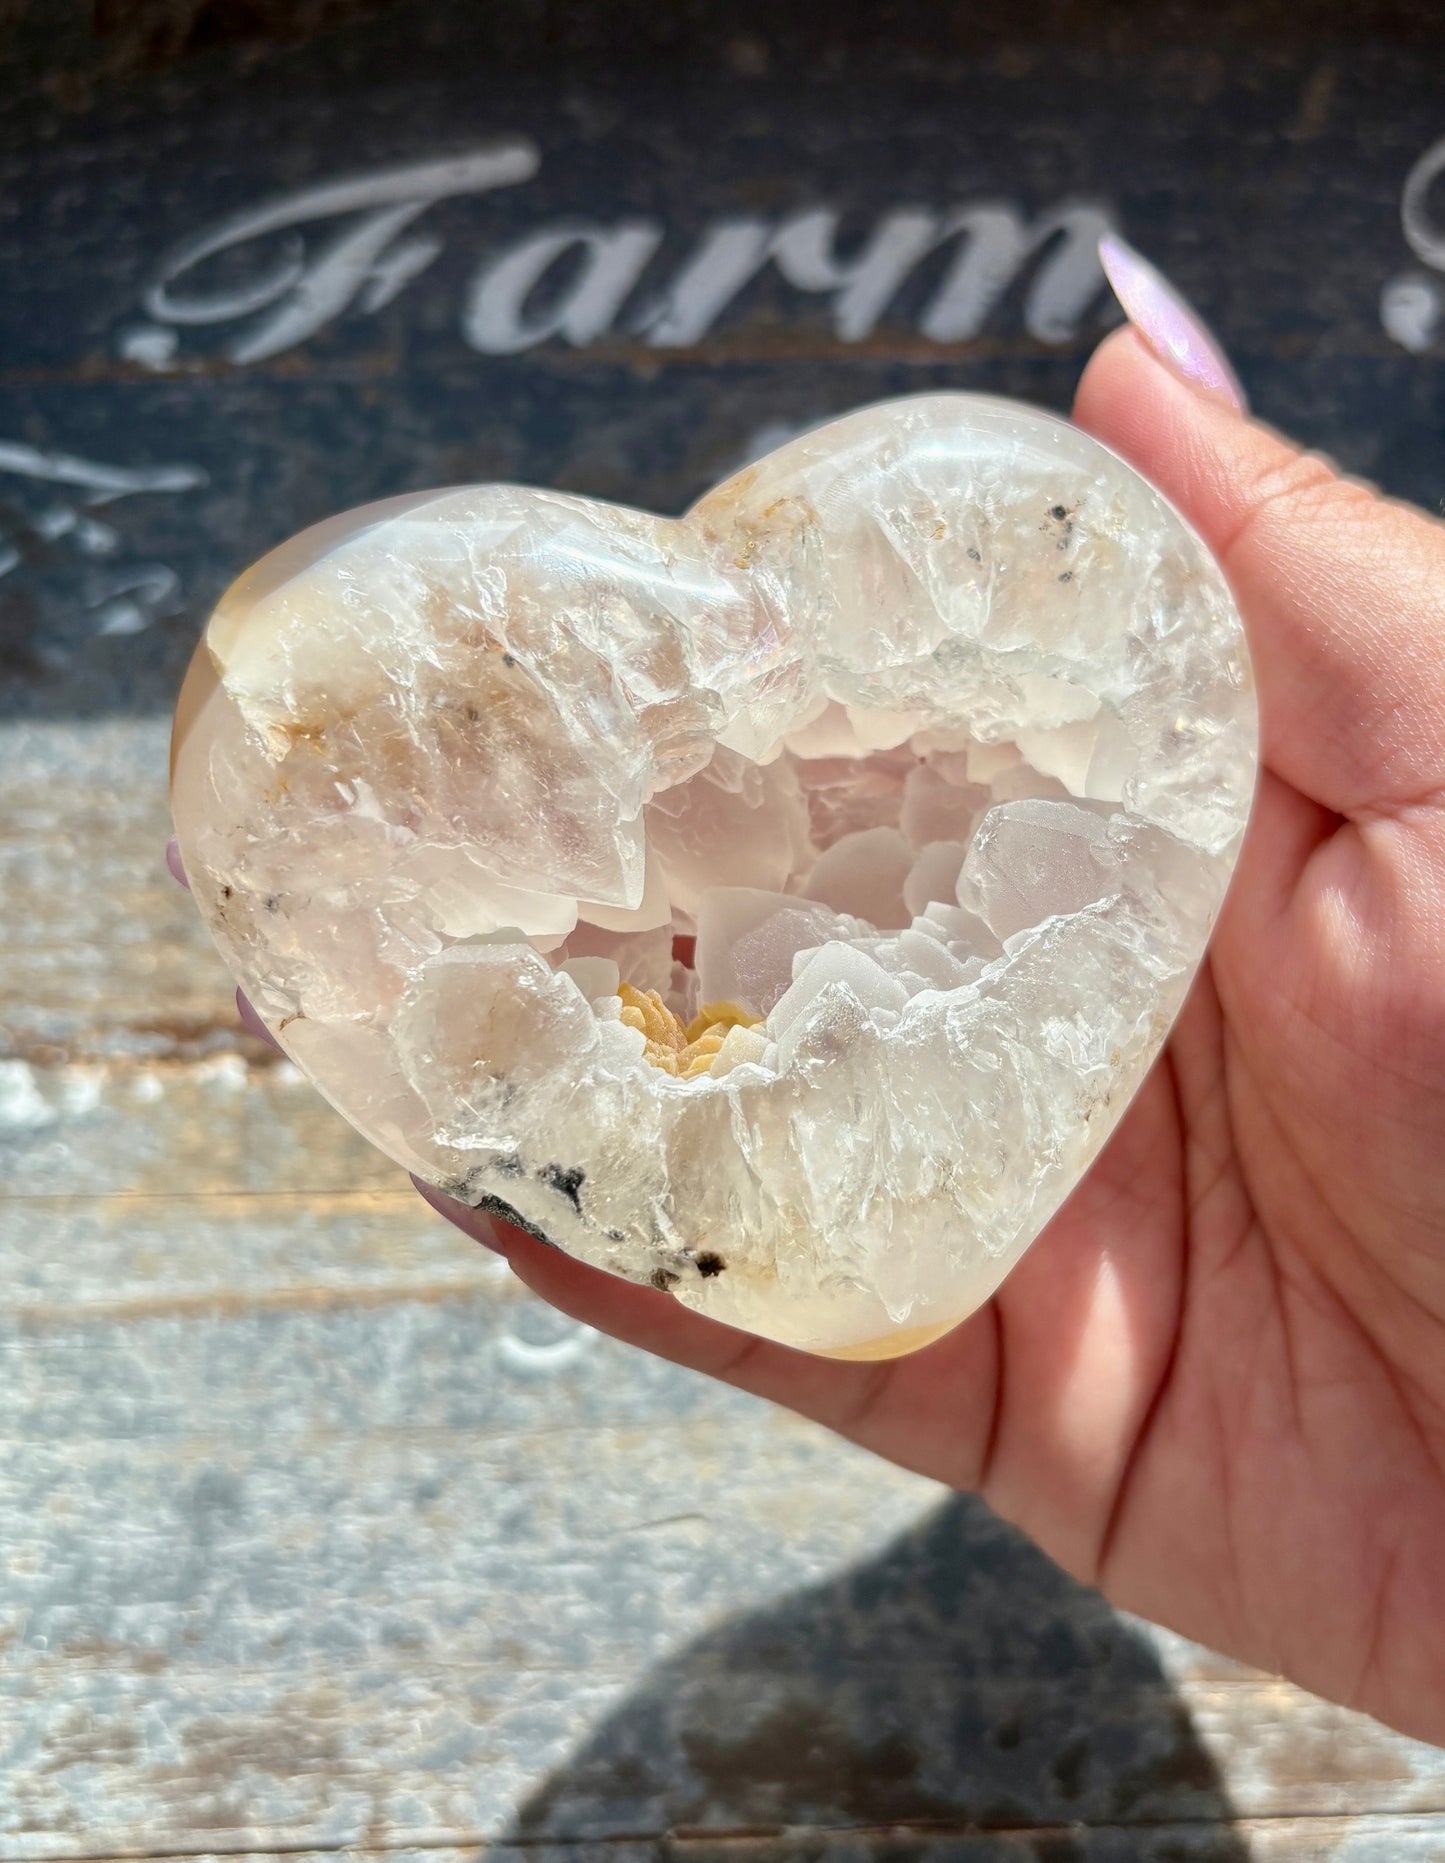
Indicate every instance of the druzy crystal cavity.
{"type": "Point", "coordinates": [777, 906]}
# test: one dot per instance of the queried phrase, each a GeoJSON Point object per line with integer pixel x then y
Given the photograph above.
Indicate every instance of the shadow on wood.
{"type": "Point", "coordinates": [958, 1689]}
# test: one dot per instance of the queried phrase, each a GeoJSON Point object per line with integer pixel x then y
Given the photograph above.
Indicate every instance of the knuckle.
{"type": "Point", "coordinates": [1292, 489]}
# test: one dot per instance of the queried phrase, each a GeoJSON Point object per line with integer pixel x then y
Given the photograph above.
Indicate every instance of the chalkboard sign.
{"type": "Point", "coordinates": [264, 261]}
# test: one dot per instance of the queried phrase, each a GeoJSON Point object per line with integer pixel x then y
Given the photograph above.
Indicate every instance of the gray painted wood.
{"type": "Point", "coordinates": [1283, 1840]}
{"type": "Point", "coordinates": [428, 1631]}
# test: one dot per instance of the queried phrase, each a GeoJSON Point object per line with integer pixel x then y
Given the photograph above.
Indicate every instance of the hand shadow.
{"type": "Point", "coordinates": [959, 1683]}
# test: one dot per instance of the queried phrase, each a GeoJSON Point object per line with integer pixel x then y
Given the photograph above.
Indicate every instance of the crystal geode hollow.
{"type": "Point", "coordinates": [777, 905]}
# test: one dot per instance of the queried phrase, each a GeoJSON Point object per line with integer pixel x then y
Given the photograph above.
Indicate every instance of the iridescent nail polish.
{"type": "Point", "coordinates": [1172, 329]}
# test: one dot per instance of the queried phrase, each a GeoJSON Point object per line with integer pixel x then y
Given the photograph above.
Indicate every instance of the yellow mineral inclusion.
{"type": "Point", "coordinates": [678, 1050]}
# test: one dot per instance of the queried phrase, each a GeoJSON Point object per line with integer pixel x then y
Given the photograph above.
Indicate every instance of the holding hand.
{"type": "Point", "coordinates": [1215, 1387]}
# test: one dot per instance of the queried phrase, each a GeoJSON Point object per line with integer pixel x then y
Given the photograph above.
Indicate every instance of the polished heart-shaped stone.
{"type": "Point", "coordinates": [777, 905]}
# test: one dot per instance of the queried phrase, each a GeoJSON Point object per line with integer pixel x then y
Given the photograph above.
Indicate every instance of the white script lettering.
{"type": "Point", "coordinates": [1412, 305]}
{"type": "Point", "coordinates": [574, 280]}
{"type": "Point", "coordinates": [365, 263]}
{"type": "Point", "coordinates": [60, 540]}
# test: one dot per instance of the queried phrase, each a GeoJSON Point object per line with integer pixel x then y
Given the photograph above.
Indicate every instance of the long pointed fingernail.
{"type": "Point", "coordinates": [471, 1222]}
{"type": "Point", "coordinates": [1168, 324]}
{"type": "Point", "coordinates": [173, 861]}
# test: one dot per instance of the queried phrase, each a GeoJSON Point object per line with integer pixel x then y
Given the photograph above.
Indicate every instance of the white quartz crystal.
{"type": "Point", "coordinates": [926, 744]}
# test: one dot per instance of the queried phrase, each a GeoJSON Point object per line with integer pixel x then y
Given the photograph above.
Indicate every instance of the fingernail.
{"type": "Point", "coordinates": [471, 1222]}
{"type": "Point", "coordinates": [173, 861]}
{"type": "Point", "coordinates": [1171, 328]}
{"type": "Point", "coordinates": [253, 1023]}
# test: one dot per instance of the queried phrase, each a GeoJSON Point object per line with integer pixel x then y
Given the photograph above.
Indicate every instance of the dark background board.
{"type": "Point", "coordinates": [317, 1533]}
{"type": "Point", "coordinates": [1260, 155]}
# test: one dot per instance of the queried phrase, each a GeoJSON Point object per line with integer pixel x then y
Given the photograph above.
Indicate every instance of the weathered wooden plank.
{"type": "Point", "coordinates": [487, 1361]}
{"type": "Point", "coordinates": [381, 1601]}
{"type": "Point", "coordinates": [101, 954]}
{"type": "Point", "coordinates": [232, 1122]}
{"type": "Point", "coordinates": [472, 1757]}
{"type": "Point", "coordinates": [340, 1358]}
{"type": "Point", "coordinates": [545, 1546]}
{"type": "Point", "coordinates": [1263, 1840]}
{"type": "Point", "coordinates": [127, 1257]}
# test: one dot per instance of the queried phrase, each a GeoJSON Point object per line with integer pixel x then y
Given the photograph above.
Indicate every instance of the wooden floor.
{"type": "Point", "coordinates": [317, 1534]}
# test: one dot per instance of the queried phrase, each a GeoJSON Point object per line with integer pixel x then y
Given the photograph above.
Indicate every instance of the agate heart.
{"type": "Point", "coordinates": [777, 905]}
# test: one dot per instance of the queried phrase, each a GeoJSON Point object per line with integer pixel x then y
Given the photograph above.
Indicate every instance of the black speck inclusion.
{"type": "Point", "coordinates": [504, 1212]}
{"type": "Point", "coordinates": [566, 1179]}
{"type": "Point", "coordinates": [709, 1265]}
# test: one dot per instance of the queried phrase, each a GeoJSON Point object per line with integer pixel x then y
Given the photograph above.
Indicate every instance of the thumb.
{"type": "Point", "coordinates": [1342, 590]}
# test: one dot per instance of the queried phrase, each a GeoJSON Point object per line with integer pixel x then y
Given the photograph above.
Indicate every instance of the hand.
{"type": "Point", "coordinates": [1215, 1387]}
